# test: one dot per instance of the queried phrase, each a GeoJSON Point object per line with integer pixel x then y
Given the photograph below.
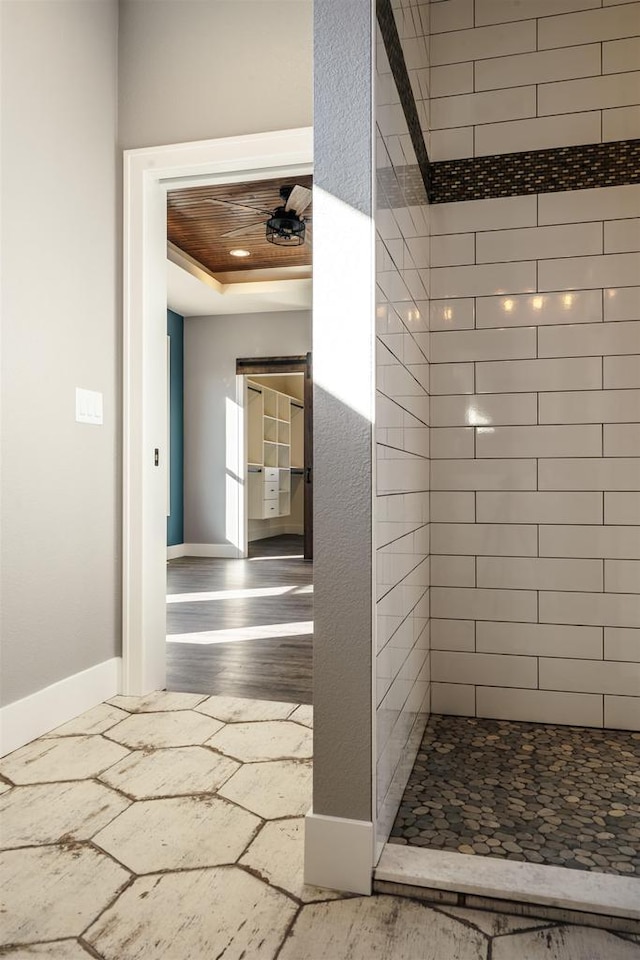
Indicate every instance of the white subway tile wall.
{"type": "Point", "coordinates": [535, 444]}
{"type": "Point", "coordinates": [508, 384]}
{"type": "Point", "coordinates": [508, 77]}
{"type": "Point", "coordinates": [401, 509]}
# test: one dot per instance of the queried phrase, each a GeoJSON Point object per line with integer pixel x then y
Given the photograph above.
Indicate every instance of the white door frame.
{"type": "Point", "coordinates": [148, 173]}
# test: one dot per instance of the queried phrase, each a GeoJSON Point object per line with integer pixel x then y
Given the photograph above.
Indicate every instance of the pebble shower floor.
{"type": "Point", "coordinates": [568, 796]}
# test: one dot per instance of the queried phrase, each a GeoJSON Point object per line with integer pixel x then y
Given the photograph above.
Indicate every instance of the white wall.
{"type": "Point", "coordinates": [187, 70]}
{"type": "Point", "coordinates": [211, 348]}
{"type": "Point", "coordinates": [198, 69]}
{"type": "Point", "coordinates": [535, 377]}
{"type": "Point", "coordinates": [401, 507]}
{"type": "Point", "coordinates": [61, 480]}
{"type": "Point", "coordinates": [535, 469]}
{"type": "Point", "coordinates": [503, 81]}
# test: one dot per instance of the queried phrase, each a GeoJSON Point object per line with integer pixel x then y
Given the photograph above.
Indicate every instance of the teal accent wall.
{"type": "Point", "coordinates": [175, 522]}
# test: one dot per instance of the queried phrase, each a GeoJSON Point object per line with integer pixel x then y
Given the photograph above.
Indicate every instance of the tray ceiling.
{"type": "Point", "coordinates": [196, 226]}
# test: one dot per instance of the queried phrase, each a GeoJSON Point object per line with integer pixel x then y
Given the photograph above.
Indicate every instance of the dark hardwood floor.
{"type": "Point", "coordinates": [242, 628]}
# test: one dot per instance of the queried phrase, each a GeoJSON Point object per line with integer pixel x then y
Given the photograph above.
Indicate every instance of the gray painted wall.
{"type": "Point", "coordinates": [343, 437]}
{"type": "Point", "coordinates": [179, 79]}
{"type": "Point", "coordinates": [61, 480]}
{"type": "Point", "coordinates": [211, 347]}
{"type": "Point", "coordinates": [195, 69]}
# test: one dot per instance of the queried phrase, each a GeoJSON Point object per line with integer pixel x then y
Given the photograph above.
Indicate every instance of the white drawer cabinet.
{"type": "Point", "coordinates": [269, 445]}
{"type": "Point", "coordinates": [269, 497]}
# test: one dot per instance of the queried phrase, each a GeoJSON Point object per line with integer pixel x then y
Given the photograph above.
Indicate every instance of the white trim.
{"type": "Point", "coordinates": [282, 529]}
{"type": "Point", "coordinates": [225, 550]}
{"type": "Point", "coordinates": [40, 712]}
{"type": "Point", "coordinates": [511, 880]}
{"type": "Point", "coordinates": [375, 760]}
{"type": "Point", "coordinates": [176, 551]}
{"type": "Point", "coordinates": [338, 853]}
{"type": "Point", "coordinates": [147, 174]}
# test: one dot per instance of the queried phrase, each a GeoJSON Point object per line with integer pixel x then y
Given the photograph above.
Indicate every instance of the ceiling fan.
{"type": "Point", "coordinates": [285, 226]}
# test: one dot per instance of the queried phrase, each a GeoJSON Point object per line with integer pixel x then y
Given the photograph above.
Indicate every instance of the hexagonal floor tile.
{"type": "Point", "coordinates": [280, 788]}
{"type": "Point", "coordinates": [176, 772]}
{"type": "Point", "coordinates": [494, 924]}
{"type": "Point", "coordinates": [52, 812]}
{"type": "Point", "coordinates": [303, 714]}
{"type": "Point", "coordinates": [96, 720]}
{"type": "Point", "coordinates": [158, 701]}
{"type": "Point", "coordinates": [237, 709]}
{"type": "Point", "coordinates": [64, 758]}
{"type": "Point", "coordinates": [54, 892]}
{"type": "Point", "coordinates": [177, 728]}
{"type": "Point", "coordinates": [273, 740]}
{"type": "Point", "coordinates": [60, 950]}
{"type": "Point", "coordinates": [277, 854]}
{"type": "Point", "coordinates": [564, 943]}
{"type": "Point", "coordinates": [380, 926]}
{"type": "Point", "coordinates": [220, 912]}
{"type": "Point", "coordinates": [184, 832]}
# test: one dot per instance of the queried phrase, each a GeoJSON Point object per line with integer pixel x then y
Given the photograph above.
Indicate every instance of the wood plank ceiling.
{"type": "Point", "coordinates": [197, 226]}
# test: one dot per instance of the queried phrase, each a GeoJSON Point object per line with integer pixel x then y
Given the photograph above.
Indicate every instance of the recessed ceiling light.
{"type": "Point", "coordinates": [240, 253]}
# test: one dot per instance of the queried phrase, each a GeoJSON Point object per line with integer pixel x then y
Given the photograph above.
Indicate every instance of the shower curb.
{"type": "Point", "coordinates": [526, 889]}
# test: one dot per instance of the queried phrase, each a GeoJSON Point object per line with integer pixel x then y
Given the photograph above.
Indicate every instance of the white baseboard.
{"type": "Point", "coordinates": [227, 550]}
{"type": "Point", "coordinates": [176, 551]}
{"type": "Point", "coordinates": [40, 712]}
{"type": "Point", "coordinates": [264, 534]}
{"type": "Point", "coordinates": [338, 853]}
{"type": "Point", "coordinates": [223, 550]}
{"type": "Point", "coordinates": [276, 531]}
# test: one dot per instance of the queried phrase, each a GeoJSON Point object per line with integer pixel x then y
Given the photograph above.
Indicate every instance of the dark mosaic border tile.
{"type": "Point", "coordinates": [501, 175]}
{"type": "Point", "coordinates": [536, 171]}
{"type": "Point", "coordinates": [391, 39]}
{"type": "Point", "coordinates": [515, 174]}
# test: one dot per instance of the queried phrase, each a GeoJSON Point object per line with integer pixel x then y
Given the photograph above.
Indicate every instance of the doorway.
{"type": "Point", "coordinates": [148, 175]}
{"type": "Point", "coordinates": [242, 627]}
{"type": "Point", "coordinates": [275, 386]}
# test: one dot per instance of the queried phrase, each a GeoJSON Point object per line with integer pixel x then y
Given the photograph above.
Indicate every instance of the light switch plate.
{"type": "Point", "coordinates": [88, 406]}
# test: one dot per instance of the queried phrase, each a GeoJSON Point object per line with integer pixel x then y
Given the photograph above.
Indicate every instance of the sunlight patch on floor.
{"type": "Point", "coordinates": [236, 634]}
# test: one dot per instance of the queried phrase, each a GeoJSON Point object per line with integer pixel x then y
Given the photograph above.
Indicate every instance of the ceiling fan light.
{"type": "Point", "coordinates": [285, 229]}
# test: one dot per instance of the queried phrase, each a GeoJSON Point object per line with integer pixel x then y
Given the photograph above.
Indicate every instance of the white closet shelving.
{"type": "Point", "coordinates": [271, 442]}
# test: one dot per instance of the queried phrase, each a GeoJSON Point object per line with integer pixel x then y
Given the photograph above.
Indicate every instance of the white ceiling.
{"type": "Point", "coordinates": [192, 297]}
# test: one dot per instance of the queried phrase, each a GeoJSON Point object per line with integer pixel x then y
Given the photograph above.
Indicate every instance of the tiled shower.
{"type": "Point", "coordinates": [508, 377]}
